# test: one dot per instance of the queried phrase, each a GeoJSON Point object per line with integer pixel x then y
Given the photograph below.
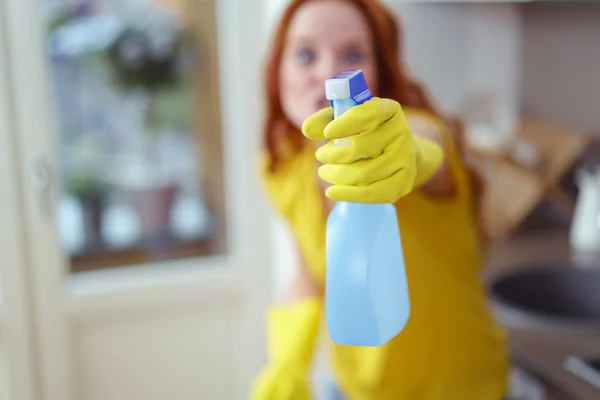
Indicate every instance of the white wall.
{"type": "Point", "coordinates": [561, 63]}
{"type": "Point", "coordinates": [436, 48]}
{"type": "Point", "coordinates": [461, 49]}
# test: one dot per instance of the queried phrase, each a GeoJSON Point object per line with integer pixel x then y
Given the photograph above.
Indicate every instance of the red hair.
{"type": "Point", "coordinates": [393, 82]}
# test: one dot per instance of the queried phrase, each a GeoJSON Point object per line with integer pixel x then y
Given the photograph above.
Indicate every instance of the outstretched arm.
{"type": "Point", "coordinates": [293, 327]}
{"type": "Point", "coordinates": [441, 183]}
{"type": "Point", "coordinates": [301, 286]}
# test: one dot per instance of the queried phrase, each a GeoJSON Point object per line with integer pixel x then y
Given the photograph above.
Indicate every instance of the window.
{"type": "Point", "coordinates": [137, 125]}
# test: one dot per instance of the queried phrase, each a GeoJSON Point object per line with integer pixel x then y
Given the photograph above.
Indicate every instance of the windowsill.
{"type": "Point", "coordinates": [120, 232]}
{"type": "Point", "coordinates": [144, 253]}
{"type": "Point", "coordinates": [154, 275]}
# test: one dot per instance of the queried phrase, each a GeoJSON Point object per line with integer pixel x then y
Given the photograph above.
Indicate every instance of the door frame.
{"type": "Point", "coordinates": [16, 333]}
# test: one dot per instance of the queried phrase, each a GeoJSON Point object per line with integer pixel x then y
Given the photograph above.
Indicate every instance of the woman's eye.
{"type": "Point", "coordinates": [354, 56]}
{"type": "Point", "coordinates": [305, 56]}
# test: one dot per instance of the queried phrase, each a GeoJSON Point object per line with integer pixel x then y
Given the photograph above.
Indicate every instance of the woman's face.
{"type": "Point", "coordinates": [324, 37]}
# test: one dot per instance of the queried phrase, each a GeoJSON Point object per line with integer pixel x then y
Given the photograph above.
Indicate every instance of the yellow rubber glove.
{"type": "Point", "coordinates": [383, 160]}
{"type": "Point", "coordinates": [292, 332]}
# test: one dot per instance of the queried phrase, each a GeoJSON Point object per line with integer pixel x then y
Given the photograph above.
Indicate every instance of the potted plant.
{"type": "Point", "coordinates": [92, 193]}
{"type": "Point", "coordinates": [149, 57]}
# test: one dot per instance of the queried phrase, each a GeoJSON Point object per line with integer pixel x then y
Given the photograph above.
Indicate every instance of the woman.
{"type": "Point", "coordinates": [450, 349]}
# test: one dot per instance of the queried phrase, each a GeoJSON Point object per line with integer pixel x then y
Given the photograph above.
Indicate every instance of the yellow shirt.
{"type": "Point", "coordinates": [450, 349]}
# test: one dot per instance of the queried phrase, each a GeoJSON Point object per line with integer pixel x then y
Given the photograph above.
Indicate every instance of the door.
{"type": "Point", "coordinates": [134, 125]}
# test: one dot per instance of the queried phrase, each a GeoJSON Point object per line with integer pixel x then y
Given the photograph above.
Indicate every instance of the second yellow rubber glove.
{"type": "Point", "coordinates": [383, 160]}
{"type": "Point", "coordinates": [292, 334]}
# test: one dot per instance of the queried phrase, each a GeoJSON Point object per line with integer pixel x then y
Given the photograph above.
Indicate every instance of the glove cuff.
{"type": "Point", "coordinates": [292, 331]}
{"type": "Point", "coordinates": [429, 158]}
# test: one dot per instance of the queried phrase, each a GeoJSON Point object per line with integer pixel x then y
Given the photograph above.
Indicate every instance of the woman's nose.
{"type": "Point", "coordinates": [327, 69]}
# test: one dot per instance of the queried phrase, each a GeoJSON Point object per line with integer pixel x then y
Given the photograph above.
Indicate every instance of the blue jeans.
{"type": "Point", "coordinates": [334, 393]}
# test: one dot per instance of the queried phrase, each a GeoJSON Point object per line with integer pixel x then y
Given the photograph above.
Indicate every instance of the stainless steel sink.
{"type": "Point", "coordinates": [557, 298]}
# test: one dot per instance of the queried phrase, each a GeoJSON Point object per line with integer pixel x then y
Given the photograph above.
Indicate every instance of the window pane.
{"type": "Point", "coordinates": [137, 130]}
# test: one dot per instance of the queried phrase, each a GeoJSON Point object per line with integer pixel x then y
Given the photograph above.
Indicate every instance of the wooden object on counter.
{"type": "Point", "coordinates": [513, 190]}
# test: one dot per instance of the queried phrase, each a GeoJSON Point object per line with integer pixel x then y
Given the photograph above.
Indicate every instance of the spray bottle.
{"type": "Point", "coordinates": [366, 293]}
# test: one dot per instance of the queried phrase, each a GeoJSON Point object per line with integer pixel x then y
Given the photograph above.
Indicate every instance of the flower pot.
{"type": "Point", "coordinates": [153, 205]}
{"type": "Point", "coordinates": [92, 208]}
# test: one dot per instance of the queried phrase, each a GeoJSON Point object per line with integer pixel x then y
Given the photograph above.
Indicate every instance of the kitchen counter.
{"type": "Point", "coordinates": [542, 354]}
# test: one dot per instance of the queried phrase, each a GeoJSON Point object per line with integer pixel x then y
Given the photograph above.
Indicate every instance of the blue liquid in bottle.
{"type": "Point", "coordinates": [366, 293]}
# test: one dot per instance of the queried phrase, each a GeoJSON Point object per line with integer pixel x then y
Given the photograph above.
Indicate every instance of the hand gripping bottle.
{"type": "Point", "coordinates": [366, 294]}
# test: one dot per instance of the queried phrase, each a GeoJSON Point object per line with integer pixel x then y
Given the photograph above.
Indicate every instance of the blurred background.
{"type": "Point", "coordinates": [135, 261]}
